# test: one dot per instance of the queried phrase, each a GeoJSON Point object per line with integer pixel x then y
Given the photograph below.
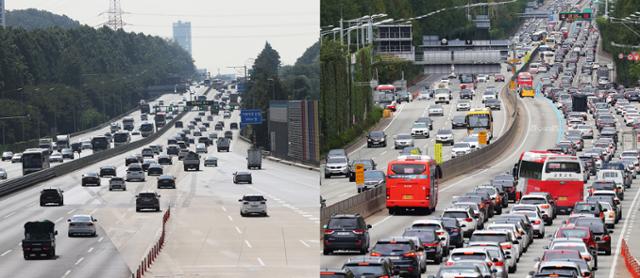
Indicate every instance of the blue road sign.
{"type": "Point", "coordinates": [250, 116]}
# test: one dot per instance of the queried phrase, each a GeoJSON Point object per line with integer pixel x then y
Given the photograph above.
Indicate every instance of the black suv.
{"type": "Point", "coordinates": [90, 178]}
{"type": "Point", "coordinates": [108, 171]}
{"type": "Point", "coordinates": [401, 252]}
{"type": "Point", "coordinates": [51, 196]}
{"type": "Point", "coordinates": [242, 177]}
{"type": "Point", "coordinates": [130, 159]}
{"type": "Point", "coordinates": [179, 124]}
{"type": "Point", "coordinates": [346, 232]}
{"type": "Point", "coordinates": [367, 266]}
{"type": "Point", "coordinates": [167, 181]}
{"type": "Point", "coordinates": [430, 242]}
{"type": "Point", "coordinates": [455, 232]}
{"type": "Point", "coordinates": [148, 200]}
{"type": "Point", "coordinates": [376, 138]}
{"type": "Point", "coordinates": [223, 144]}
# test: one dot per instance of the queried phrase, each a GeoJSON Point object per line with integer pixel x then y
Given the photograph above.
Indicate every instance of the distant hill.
{"type": "Point", "coordinates": [30, 19]}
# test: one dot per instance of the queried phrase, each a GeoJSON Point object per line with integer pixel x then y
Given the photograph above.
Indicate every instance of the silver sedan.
{"type": "Point", "coordinates": [82, 224]}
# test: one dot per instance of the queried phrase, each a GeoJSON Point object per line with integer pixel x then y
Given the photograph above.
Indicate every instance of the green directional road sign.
{"type": "Point", "coordinates": [200, 102]}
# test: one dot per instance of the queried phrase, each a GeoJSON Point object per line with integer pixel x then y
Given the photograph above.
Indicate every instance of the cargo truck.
{"type": "Point", "coordinates": [254, 158]}
{"type": "Point", "coordinates": [39, 240]}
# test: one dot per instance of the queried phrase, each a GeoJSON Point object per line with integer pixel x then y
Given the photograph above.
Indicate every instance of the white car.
{"type": "Point", "coordinates": [609, 215]}
{"type": "Point", "coordinates": [586, 130]}
{"type": "Point", "coordinates": [135, 172]}
{"type": "Point", "coordinates": [575, 244]}
{"type": "Point", "coordinates": [402, 140]}
{"type": "Point", "coordinates": [488, 95]}
{"type": "Point", "coordinates": [420, 129]}
{"type": "Point", "coordinates": [472, 141]}
{"type": "Point", "coordinates": [460, 149]}
{"type": "Point", "coordinates": [253, 204]}
{"type": "Point", "coordinates": [482, 78]}
{"type": "Point", "coordinates": [201, 148]}
{"type": "Point", "coordinates": [436, 225]}
{"type": "Point", "coordinates": [547, 210]}
{"type": "Point", "coordinates": [56, 157]}
{"type": "Point", "coordinates": [3, 174]}
{"type": "Point", "coordinates": [82, 224]}
{"type": "Point", "coordinates": [435, 110]}
{"type": "Point", "coordinates": [468, 223]}
{"type": "Point", "coordinates": [444, 136]}
{"type": "Point", "coordinates": [463, 106]}
{"type": "Point", "coordinates": [7, 155]}
{"type": "Point", "coordinates": [424, 95]}
{"type": "Point", "coordinates": [536, 221]}
{"type": "Point", "coordinates": [443, 95]}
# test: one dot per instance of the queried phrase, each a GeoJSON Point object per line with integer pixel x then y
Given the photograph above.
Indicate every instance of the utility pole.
{"type": "Point", "coordinates": [114, 20]}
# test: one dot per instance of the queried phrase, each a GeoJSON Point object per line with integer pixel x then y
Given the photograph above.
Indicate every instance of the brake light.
{"type": "Point", "coordinates": [468, 219]}
{"type": "Point", "coordinates": [358, 231]}
{"type": "Point", "coordinates": [606, 238]}
{"type": "Point", "coordinates": [410, 255]}
{"type": "Point", "coordinates": [450, 263]}
{"type": "Point", "coordinates": [439, 233]}
{"type": "Point", "coordinates": [489, 263]}
{"type": "Point", "coordinates": [611, 214]}
{"type": "Point", "coordinates": [328, 231]}
{"type": "Point", "coordinates": [375, 254]}
{"type": "Point", "coordinates": [586, 258]}
{"type": "Point", "coordinates": [537, 221]}
{"type": "Point", "coordinates": [430, 244]}
{"type": "Point", "coordinates": [505, 245]}
{"type": "Point", "coordinates": [545, 206]}
{"type": "Point", "coordinates": [499, 263]}
{"type": "Point", "coordinates": [601, 215]}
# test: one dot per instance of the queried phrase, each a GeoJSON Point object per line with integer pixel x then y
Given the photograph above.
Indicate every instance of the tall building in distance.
{"type": "Point", "coordinates": [3, 21]}
{"type": "Point", "coordinates": [182, 34]}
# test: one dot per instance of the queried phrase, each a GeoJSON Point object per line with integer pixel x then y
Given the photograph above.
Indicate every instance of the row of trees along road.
{"type": "Point", "coordinates": [71, 79]}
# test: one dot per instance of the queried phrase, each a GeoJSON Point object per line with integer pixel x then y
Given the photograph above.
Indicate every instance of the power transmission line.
{"type": "Point", "coordinates": [114, 20]}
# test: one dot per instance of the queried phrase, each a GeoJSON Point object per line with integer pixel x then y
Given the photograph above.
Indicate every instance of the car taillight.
{"type": "Point", "coordinates": [455, 230]}
{"type": "Point", "coordinates": [439, 233]}
{"type": "Point", "coordinates": [468, 219]}
{"type": "Point", "coordinates": [358, 231]}
{"type": "Point", "coordinates": [410, 255]}
{"type": "Point", "coordinates": [586, 274]}
{"type": "Point", "coordinates": [537, 221]}
{"type": "Point", "coordinates": [612, 214]}
{"type": "Point", "coordinates": [586, 258]}
{"type": "Point", "coordinates": [505, 245]}
{"type": "Point", "coordinates": [602, 215]}
{"type": "Point", "coordinates": [499, 263]}
{"type": "Point", "coordinates": [450, 263]}
{"type": "Point", "coordinates": [328, 231]}
{"type": "Point", "coordinates": [606, 238]}
{"type": "Point", "coordinates": [489, 264]}
{"type": "Point", "coordinates": [545, 206]}
{"type": "Point", "coordinates": [375, 254]}
{"type": "Point", "coordinates": [430, 244]}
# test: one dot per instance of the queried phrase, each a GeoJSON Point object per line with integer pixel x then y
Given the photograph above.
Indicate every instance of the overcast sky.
{"type": "Point", "coordinates": [224, 33]}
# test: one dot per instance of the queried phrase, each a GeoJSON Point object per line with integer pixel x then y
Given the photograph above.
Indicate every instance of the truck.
{"type": "Point", "coordinates": [145, 108]}
{"type": "Point", "coordinates": [39, 240]}
{"type": "Point", "coordinates": [128, 123]}
{"type": "Point", "coordinates": [191, 161]}
{"type": "Point", "coordinates": [233, 99]}
{"type": "Point", "coordinates": [160, 119]}
{"type": "Point", "coordinates": [63, 141]}
{"type": "Point", "coordinates": [254, 158]}
{"type": "Point", "coordinates": [46, 143]}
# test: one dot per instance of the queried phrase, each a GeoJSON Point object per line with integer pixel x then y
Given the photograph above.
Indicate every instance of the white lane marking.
{"type": "Point", "coordinates": [66, 273]}
{"type": "Point", "coordinates": [58, 220]}
{"type": "Point", "coordinates": [224, 209]}
{"type": "Point", "coordinates": [395, 115]}
{"type": "Point", "coordinates": [260, 261]}
{"type": "Point", "coordinates": [230, 218]}
{"type": "Point", "coordinates": [8, 215]}
{"type": "Point", "coordinates": [79, 261]}
{"type": "Point", "coordinates": [304, 243]}
{"type": "Point", "coordinates": [101, 238]}
{"type": "Point", "coordinates": [6, 252]}
{"type": "Point", "coordinates": [382, 153]}
{"type": "Point", "coordinates": [90, 250]}
{"type": "Point", "coordinates": [238, 230]}
{"type": "Point", "coordinates": [71, 211]}
{"type": "Point", "coordinates": [381, 221]}
{"type": "Point", "coordinates": [612, 272]}
{"type": "Point", "coordinates": [248, 244]}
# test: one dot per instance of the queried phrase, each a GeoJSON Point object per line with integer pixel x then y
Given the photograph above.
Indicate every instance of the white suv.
{"type": "Point", "coordinates": [135, 172]}
{"type": "Point", "coordinates": [253, 204]}
{"type": "Point", "coordinates": [465, 216]}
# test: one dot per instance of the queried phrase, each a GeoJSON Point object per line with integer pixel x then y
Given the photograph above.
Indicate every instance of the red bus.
{"type": "Point", "coordinates": [560, 175]}
{"type": "Point", "coordinates": [525, 79]}
{"type": "Point", "coordinates": [412, 183]}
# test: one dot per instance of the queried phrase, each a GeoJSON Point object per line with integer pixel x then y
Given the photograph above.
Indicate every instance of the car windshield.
{"type": "Point", "coordinates": [81, 218]}
{"type": "Point", "coordinates": [403, 136]}
{"type": "Point", "coordinates": [474, 256]}
{"type": "Point", "coordinates": [147, 195]}
{"type": "Point", "coordinates": [342, 223]}
{"type": "Point", "coordinates": [533, 201]}
{"type": "Point", "coordinates": [489, 237]}
{"type": "Point", "coordinates": [557, 271]}
{"type": "Point", "coordinates": [337, 160]}
{"type": "Point", "coordinates": [424, 234]}
{"type": "Point", "coordinates": [386, 248]}
{"type": "Point", "coordinates": [366, 270]}
{"type": "Point", "coordinates": [373, 175]}
{"type": "Point", "coordinates": [253, 198]}
{"type": "Point", "coordinates": [461, 146]}
{"type": "Point", "coordinates": [419, 125]}
{"type": "Point", "coordinates": [577, 233]}
{"type": "Point", "coordinates": [444, 132]}
{"type": "Point", "coordinates": [455, 214]}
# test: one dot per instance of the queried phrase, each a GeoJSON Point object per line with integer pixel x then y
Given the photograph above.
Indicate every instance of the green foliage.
{"type": "Point", "coordinates": [452, 24]}
{"type": "Point", "coordinates": [71, 79]}
{"type": "Point", "coordinates": [627, 73]}
{"type": "Point", "coordinates": [30, 19]}
{"type": "Point", "coordinates": [302, 80]}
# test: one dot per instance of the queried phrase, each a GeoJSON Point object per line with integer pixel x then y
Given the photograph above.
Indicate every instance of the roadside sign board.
{"type": "Point", "coordinates": [438, 152]}
{"type": "Point", "coordinates": [250, 116]}
{"type": "Point", "coordinates": [359, 174]}
{"type": "Point", "coordinates": [199, 102]}
{"type": "Point", "coordinates": [512, 85]}
{"type": "Point", "coordinates": [482, 138]}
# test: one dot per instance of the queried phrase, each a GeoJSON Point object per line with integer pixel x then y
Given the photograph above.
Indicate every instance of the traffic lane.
{"type": "Point", "coordinates": [339, 188]}
{"type": "Point", "coordinates": [385, 225]}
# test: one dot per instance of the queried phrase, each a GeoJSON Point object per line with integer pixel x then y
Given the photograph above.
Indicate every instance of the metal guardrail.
{"type": "Point", "coordinates": [372, 201]}
{"type": "Point", "coordinates": [29, 180]}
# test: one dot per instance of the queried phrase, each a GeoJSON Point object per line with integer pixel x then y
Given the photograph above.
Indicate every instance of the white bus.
{"type": "Point", "coordinates": [146, 128]}
{"type": "Point", "coordinates": [34, 160]}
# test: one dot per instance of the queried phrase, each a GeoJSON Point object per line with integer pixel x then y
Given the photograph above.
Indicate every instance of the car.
{"type": "Point", "coordinates": [155, 169]}
{"type": "Point", "coordinates": [399, 250]}
{"type": "Point", "coordinates": [402, 140]}
{"type": "Point", "coordinates": [493, 104]}
{"type": "Point", "coordinates": [466, 94]}
{"type": "Point", "coordinates": [336, 166]}
{"type": "Point", "coordinates": [460, 149]}
{"type": "Point", "coordinates": [201, 148]}
{"type": "Point", "coordinates": [82, 224]}
{"type": "Point", "coordinates": [427, 121]}
{"type": "Point", "coordinates": [498, 78]}
{"type": "Point", "coordinates": [368, 266]}
{"type": "Point", "coordinates": [182, 153]}
{"type": "Point", "coordinates": [599, 231]}
{"type": "Point", "coordinates": [226, 115]}
{"type": "Point", "coordinates": [536, 220]}
{"type": "Point", "coordinates": [148, 200]}
{"type": "Point", "coordinates": [7, 155]}
{"type": "Point", "coordinates": [376, 138]}
{"type": "Point", "coordinates": [435, 109]}
{"type": "Point", "coordinates": [444, 136]}
{"type": "Point", "coordinates": [253, 204]}
{"type": "Point", "coordinates": [336, 273]}
{"type": "Point", "coordinates": [86, 145]}
{"type": "Point", "coordinates": [489, 95]}
{"type": "Point", "coordinates": [233, 126]}
{"type": "Point", "coordinates": [166, 181]}
{"type": "Point", "coordinates": [438, 227]}
{"type": "Point", "coordinates": [242, 177]}
{"type": "Point", "coordinates": [443, 95]}
{"type": "Point", "coordinates": [67, 153]}
{"type": "Point", "coordinates": [173, 150]}
{"type": "Point", "coordinates": [578, 245]}
{"type": "Point", "coordinates": [458, 121]}
{"type": "Point", "coordinates": [56, 157]}
{"type": "Point", "coordinates": [135, 172]}
{"type": "Point", "coordinates": [157, 149]}
{"type": "Point", "coordinates": [165, 159]}
{"type": "Point", "coordinates": [372, 179]}
{"type": "Point", "coordinates": [223, 144]}
{"type": "Point", "coordinates": [108, 171]}
{"type": "Point", "coordinates": [544, 202]}
{"type": "Point", "coordinates": [482, 77]}
{"type": "Point", "coordinates": [90, 179]}
{"type": "Point", "coordinates": [147, 152]}
{"type": "Point", "coordinates": [3, 174]}
{"type": "Point", "coordinates": [454, 231]}
{"type": "Point", "coordinates": [466, 218]}
{"type": "Point", "coordinates": [346, 232]}
{"type": "Point", "coordinates": [211, 161]}
{"type": "Point", "coordinates": [178, 124]}
{"type": "Point", "coordinates": [51, 196]}
{"type": "Point", "coordinates": [16, 158]}
{"type": "Point", "coordinates": [463, 106]}
{"type": "Point", "coordinates": [147, 162]}
{"type": "Point", "coordinates": [117, 183]}
{"type": "Point", "coordinates": [218, 126]}
{"type": "Point", "coordinates": [368, 164]}
{"type": "Point", "coordinates": [420, 129]}
{"type": "Point", "coordinates": [228, 134]}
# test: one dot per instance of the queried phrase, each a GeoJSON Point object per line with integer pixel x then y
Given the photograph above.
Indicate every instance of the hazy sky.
{"type": "Point", "coordinates": [224, 33]}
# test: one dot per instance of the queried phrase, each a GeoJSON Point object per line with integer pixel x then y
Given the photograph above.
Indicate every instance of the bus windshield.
{"type": "Point", "coordinates": [478, 120]}
{"type": "Point", "coordinates": [530, 170]}
{"type": "Point", "coordinates": [120, 137]}
{"type": "Point", "coordinates": [32, 160]}
{"type": "Point", "coordinates": [146, 127]}
{"type": "Point", "coordinates": [564, 167]}
{"type": "Point", "coordinates": [407, 169]}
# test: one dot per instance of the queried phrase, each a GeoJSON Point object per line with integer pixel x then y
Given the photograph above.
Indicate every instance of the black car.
{"type": "Point", "coordinates": [218, 126]}
{"type": "Point", "coordinates": [90, 179]}
{"type": "Point", "coordinates": [130, 159]}
{"type": "Point", "coordinates": [233, 126]}
{"type": "Point", "coordinates": [173, 149]}
{"type": "Point", "coordinates": [376, 138]}
{"type": "Point", "coordinates": [346, 232]}
{"type": "Point", "coordinates": [148, 200]}
{"type": "Point", "coordinates": [242, 177]}
{"type": "Point", "coordinates": [493, 104]}
{"type": "Point", "coordinates": [397, 249]}
{"type": "Point", "coordinates": [458, 121]}
{"type": "Point", "coordinates": [368, 164]}
{"type": "Point", "coordinates": [508, 183]}
{"type": "Point", "coordinates": [164, 159]}
{"type": "Point", "coordinates": [430, 243]}
{"type": "Point", "coordinates": [599, 231]}
{"type": "Point", "coordinates": [367, 266]}
{"type": "Point", "coordinates": [155, 169]}
{"type": "Point", "coordinates": [179, 124]}
{"type": "Point", "coordinates": [167, 181]}
{"type": "Point", "coordinates": [228, 134]}
{"type": "Point", "coordinates": [454, 230]}
{"type": "Point", "coordinates": [466, 94]}
{"type": "Point", "coordinates": [76, 147]}
{"type": "Point", "coordinates": [223, 144]}
{"type": "Point", "coordinates": [51, 196]}
{"type": "Point", "coordinates": [593, 208]}
{"type": "Point", "coordinates": [108, 171]}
